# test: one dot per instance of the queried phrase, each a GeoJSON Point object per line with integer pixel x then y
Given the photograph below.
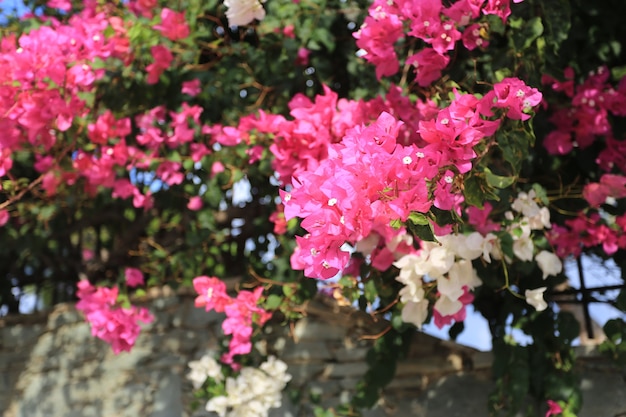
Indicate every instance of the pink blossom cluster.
{"type": "Point", "coordinates": [241, 313]}
{"type": "Point", "coordinates": [609, 188]}
{"type": "Point", "coordinates": [43, 73]}
{"type": "Point", "coordinates": [438, 26]}
{"type": "Point", "coordinates": [301, 143]}
{"type": "Point", "coordinates": [369, 180]}
{"type": "Point", "coordinates": [587, 120]}
{"type": "Point", "coordinates": [107, 166]}
{"type": "Point", "coordinates": [588, 231]}
{"type": "Point", "coordinates": [586, 117]}
{"type": "Point", "coordinates": [116, 325]}
{"type": "Point", "coordinates": [43, 76]}
{"type": "Point", "coordinates": [173, 25]}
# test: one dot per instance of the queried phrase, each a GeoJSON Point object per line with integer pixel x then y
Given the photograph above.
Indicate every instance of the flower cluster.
{"type": "Point", "coordinates": [610, 188]}
{"type": "Point", "coordinates": [252, 393]}
{"type": "Point", "coordinates": [589, 231]}
{"type": "Point", "coordinates": [587, 117]}
{"type": "Point", "coordinates": [439, 27]}
{"type": "Point", "coordinates": [447, 267]}
{"type": "Point", "coordinates": [369, 180]}
{"type": "Point", "coordinates": [241, 313]}
{"type": "Point", "coordinates": [443, 271]}
{"type": "Point", "coordinates": [116, 325]}
{"type": "Point", "coordinates": [44, 73]}
{"type": "Point", "coordinates": [527, 217]}
{"type": "Point", "coordinates": [593, 108]}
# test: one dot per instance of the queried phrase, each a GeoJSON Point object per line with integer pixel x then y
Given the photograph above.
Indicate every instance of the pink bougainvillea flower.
{"type": "Point", "coordinates": [278, 218]}
{"type": "Point", "coordinates": [4, 217]}
{"type": "Point", "coordinates": [289, 31]}
{"type": "Point", "coordinates": [515, 96]}
{"type": "Point", "coordinates": [302, 59]}
{"type": "Point", "coordinates": [479, 218]}
{"type": "Point", "coordinates": [211, 293]}
{"type": "Point", "coordinates": [115, 325]}
{"type": "Point", "coordinates": [87, 254]}
{"type": "Point", "coordinates": [241, 313]}
{"type": "Point", "coordinates": [173, 24]}
{"type": "Point", "coordinates": [142, 7]}
{"type": "Point", "coordinates": [195, 203]}
{"type": "Point", "coordinates": [554, 409]}
{"type": "Point", "coordinates": [376, 38]}
{"type": "Point", "coordinates": [134, 277]}
{"type": "Point", "coordinates": [191, 88]}
{"type": "Point", "coordinates": [162, 60]}
{"type": "Point", "coordinates": [428, 65]}
{"type": "Point", "coordinates": [216, 168]}
{"type": "Point", "coordinates": [64, 5]}
{"type": "Point", "coordinates": [500, 8]}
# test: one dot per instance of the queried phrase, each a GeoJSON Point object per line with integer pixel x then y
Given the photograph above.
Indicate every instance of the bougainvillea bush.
{"type": "Point", "coordinates": [408, 157]}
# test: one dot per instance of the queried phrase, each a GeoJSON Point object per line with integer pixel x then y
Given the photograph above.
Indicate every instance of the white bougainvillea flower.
{"type": "Point", "coordinates": [523, 248]}
{"type": "Point", "coordinates": [549, 263]}
{"type": "Point", "coordinates": [206, 367]}
{"type": "Point", "coordinates": [218, 405]}
{"type": "Point", "coordinates": [467, 247]}
{"type": "Point", "coordinates": [410, 267]}
{"type": "Point", "coordinates": [464, 273]}
{"type": "Point", "coordinates": [447, 306]}
{"type": "Point", "coordinates": [415, 312]}
{"type": "Point", "coordinates": [541, 220]}
{"type": "Point", "coordinates": [253, 392]}
{"type": "Point", "coordinates": [276, 369]}
{"type": "Point", "coordinates": [451, 287]}
{"type": "Point", "coordinates": [242, 12]}
{"type": "Point", "coordinates": [525, 204]}
{"type": "Point", "coordinates": [535, 298]}
{"type": "Point", "coordinates": [440, 260]}
{"type": "Point", "coordinates": [490, 247]}
{"type": "Point", "coordinates": [412, 291]}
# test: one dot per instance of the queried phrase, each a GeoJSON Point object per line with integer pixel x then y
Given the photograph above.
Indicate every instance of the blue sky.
{"type": "Point", "coordinates": [10, 6]}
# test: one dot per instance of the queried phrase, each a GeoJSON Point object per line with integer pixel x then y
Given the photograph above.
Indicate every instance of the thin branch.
{"type": "Point", "coordinates": [377, 335]}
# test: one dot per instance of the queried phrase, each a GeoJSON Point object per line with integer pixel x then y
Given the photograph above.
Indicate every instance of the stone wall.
{"type": "Point", "coordinates": [51, 366]}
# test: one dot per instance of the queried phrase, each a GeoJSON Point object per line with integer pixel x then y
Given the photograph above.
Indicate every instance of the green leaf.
{"type": "Point", "coordinates": [532, 30]}
{"type": "Point", "coordinates": [418, 218]}
{"type": "Point", "coordinates": [46, 213]}
{"type": "Point", "coordinates": [288, 291]}
{"type": "Point", "coordinates": [515, 145]}
{"type": "Point", "coordinates": [370, 291]}
{"type": "Point", "coordinates": [473, 192]}
{"type": "Point", "coordinates": [498, 181]}
{"type": "Point", "coordinates": [395, 224]}
{"type": "Point", "coordinates": [541, 193]}
{"type": "Point", "coordinates": [423, 232]}
{"type": "Point", "coordinates": [615, 330]}
{"type": "Point", "coordinates": [557, 18]}
{"type": "Point", "coordinates": [273, 301]}
{"type": "Point", "coordinates": [506, 244]}
{"type": "Point", "coordinates": [617, 73]}
{"type": "Point", "coordinates": [325, 37]}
